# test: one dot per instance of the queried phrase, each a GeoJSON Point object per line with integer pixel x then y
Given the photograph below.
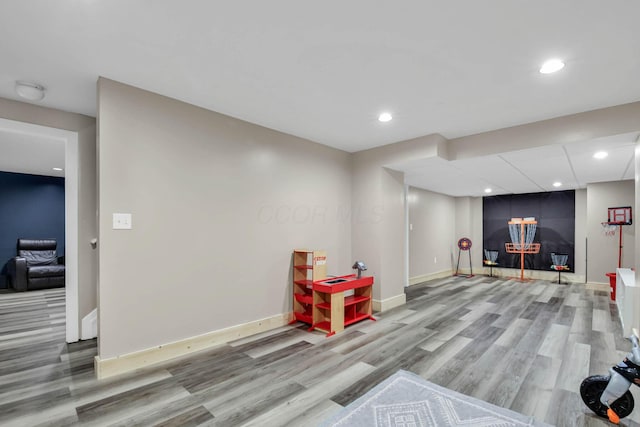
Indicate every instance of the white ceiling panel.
{"type": "Point", "coordinates": [528, 171]}
{"type": "Point", "coordinates": [602, 144]}
{"type": "Point", "coordinates": [30, 153]}
{"type": "Point", "coordinates": [630, 172]}
{"type": "Point", "coordinates": [612, 168]}
{"type": "Point", "coordinates": [500, 176]}
{"type": "Point", "coordinates": [440, 176]}
{"type": "Point", "coordinates": [544, 166]}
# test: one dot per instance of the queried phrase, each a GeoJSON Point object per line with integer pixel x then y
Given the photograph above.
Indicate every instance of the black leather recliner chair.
{"type": "Point", "coordinates": [37, 266]}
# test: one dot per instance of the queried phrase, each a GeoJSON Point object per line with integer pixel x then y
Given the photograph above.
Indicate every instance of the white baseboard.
{"type": "Point", "coordinates": [502, 273]}
{"type": "Point", "coordinates": [535, 274]}
{"type": "Point", "coordinates": [389, 303]}
{"type": "Point", "coordinates": [598, 283]}
{"type": "Point", "coordinates": [129, 362]}
{"type": "Point", "coordinates": [431, 276]}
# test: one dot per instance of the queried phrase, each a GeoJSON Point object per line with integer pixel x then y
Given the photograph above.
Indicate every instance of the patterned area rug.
{"type": "Point", "coordinates": [407, 400]}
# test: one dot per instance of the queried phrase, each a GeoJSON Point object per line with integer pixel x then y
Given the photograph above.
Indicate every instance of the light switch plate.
{"type": "Point", "coordinates": [122, 221]}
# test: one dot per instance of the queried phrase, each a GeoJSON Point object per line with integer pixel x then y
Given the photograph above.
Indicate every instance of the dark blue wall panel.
{"type": "Point", "coordinates": [555, 213]}
{"type": "Point", "coordinates": [31, 207]}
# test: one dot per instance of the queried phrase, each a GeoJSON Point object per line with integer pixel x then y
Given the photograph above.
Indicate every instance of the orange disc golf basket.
{"type": "Point", "coordinates": [522, 232]}
{"type": "Point", "coordinates": [617, 217]}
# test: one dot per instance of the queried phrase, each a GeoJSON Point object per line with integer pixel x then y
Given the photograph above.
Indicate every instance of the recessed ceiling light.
{"type": "Point", "coordinates": [385, 117]}
{"type": "Point", "coordinates": [29, 90]}
{"type": "Point", "coordinates": [557, 184]}
{"type": "Point", "coordinates": [57, 169]}
{"type": "Point", "coordinates": [488, 190]}
{"type": "Point", "coordinates": [600, 155]}
{"type": "Point", "coordinates": [551, 66]}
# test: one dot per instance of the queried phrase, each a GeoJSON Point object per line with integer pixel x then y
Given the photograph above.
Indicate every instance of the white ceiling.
{"type": "Point", "coordinates": [527, 171]}
{"type": "Point", "coordinates": [31, 149]}
{"type": "Point", "coordinates": [325, 70]}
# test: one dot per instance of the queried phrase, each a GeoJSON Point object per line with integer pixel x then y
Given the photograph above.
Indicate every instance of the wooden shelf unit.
{"type": "Point", "coordinates": [308, 265]}
{"type": "Point", "coordinates": [326, 307]}
{"type": "Point", "coordinates": [332, 311]}
{"type": "Point", "coordinates": [358, 307]}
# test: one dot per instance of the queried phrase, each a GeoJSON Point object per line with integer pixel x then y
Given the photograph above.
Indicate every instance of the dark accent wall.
{"type": "Point", "coordinates": [555, 213]}
{"type": "Point", "coordinates": [31, 207]}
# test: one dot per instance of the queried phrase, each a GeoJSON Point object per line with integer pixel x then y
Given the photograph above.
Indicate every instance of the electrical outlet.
{"type": "Point", "coordinates": [435, 260]}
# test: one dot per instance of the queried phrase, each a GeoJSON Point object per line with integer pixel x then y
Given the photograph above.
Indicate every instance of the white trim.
{"type": "Point", "coordinates": [506, 273]}
{"type": "Point", "coordinates": [129, 362]}
{"type": "Point", "coordinates": [430, 276]}
{"type": "Point", "coordinates": [71, 236]}
{"type": "Point", "coordinates": [406, 236]}
{"type": "Point", "coordinates": [389, 303]}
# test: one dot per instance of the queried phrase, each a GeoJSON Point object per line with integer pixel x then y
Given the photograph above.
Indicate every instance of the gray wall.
{"type": "Point", "coordinates": [378, 234]}
{"type": "Point", "coordinates": [432, 232]}
{"type": "Point", "coordinates": [218, 206]}
{"type": "Point", "coordinates": [636, 211]}
{"type": "Point", "coordinates": [469, 224]}
{"type": "Point", "coordinates": [87, 224]}
{"type": "Point", "coordinates": [580, 253]}
{"type": "Point", "coordinates": [602, 251]}
{"type": "Point", "coordinates": [87, 221]}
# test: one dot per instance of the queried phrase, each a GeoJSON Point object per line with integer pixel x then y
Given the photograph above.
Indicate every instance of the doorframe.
{"type": "Point", "coordinates": [71, 201]}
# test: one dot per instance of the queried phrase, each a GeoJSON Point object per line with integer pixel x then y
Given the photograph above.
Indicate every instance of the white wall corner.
{"type": "Point", "coordinates": [89, 326]}
{"type": "Point", "coordinates": [389, 303]}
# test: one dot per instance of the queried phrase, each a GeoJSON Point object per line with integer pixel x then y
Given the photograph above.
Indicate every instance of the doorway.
{"type": "Point", "coordinates": [69, 140]}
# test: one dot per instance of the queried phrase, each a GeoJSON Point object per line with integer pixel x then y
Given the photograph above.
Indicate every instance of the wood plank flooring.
{"type": "Point", "coordinates": [523, 346]}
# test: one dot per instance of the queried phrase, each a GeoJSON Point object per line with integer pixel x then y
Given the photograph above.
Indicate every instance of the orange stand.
{"type": "Point", "coordinates": [519, 248]}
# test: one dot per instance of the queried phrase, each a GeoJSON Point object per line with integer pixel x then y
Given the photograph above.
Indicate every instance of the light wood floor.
{"type": "Point", "coordinates": [523, 346]}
